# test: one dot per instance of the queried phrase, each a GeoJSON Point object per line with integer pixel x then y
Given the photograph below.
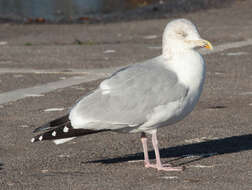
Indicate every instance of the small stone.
{"type": "Point", "coordinates": [110, 51]}
{"type": "Point", "coordinates": [24, 126]}
{"type": "Point", "coordinates": [44, 171]}
{"type": "Point", "coordinates": [3, 43]}
{"type": "Point", "coordinates": [150, 37]}
{"type": "Point", "coordinates": [53, 109]}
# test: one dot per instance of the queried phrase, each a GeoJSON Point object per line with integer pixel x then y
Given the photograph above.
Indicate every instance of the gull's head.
{"type": "Point", "coordinates": [182, 34]}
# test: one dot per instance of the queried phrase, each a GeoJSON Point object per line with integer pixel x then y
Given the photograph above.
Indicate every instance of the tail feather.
{"type": "Point", "coordinates": [61, 141]}
{"type": "Point", "coordinates": [61, 129]}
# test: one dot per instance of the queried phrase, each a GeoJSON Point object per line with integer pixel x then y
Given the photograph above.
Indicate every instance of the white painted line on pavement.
{"type": "Point", "coordinates": [92, 75]}
{"type": "Point", "coordinates": [246, 93]}
{"type": "Point", "coordinates": [218, 48]}
{"type": "Point", "coordinates": [226, 46]}
{"type": "Point", "coordinates": [40, 71]}
{"type": "Point", "coordinates": [56, 71]}
{"type": "Point", "coordinates": [203, 51]}
{"type": "Point", "coordinates": [45, 88]}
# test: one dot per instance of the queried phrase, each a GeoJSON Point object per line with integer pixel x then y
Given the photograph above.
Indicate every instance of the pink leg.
{"type": "Point", "coordinates": [159, 165]}
{"type": "Point", "coordinates": [147, 163]}
{"type": "Point", "coordinates": [145, 149]}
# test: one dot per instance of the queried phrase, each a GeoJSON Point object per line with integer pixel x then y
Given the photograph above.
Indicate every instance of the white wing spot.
{"type": "Point", "coordinates": [32, 140]}
{"type": "Point", "coordinates": [104, 85]}
{"type": "Point", "coordinates": [66, 129]}
{"type": "Point", "coordinates": [105, 92]}
{"type": "Point", "coordinates": [54, 133]}
{"type": "Point", "coordinates": [40, 138]}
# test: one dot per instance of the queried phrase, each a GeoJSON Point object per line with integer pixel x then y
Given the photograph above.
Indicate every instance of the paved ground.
{"type": "Point", "coordinates": [214, 143]}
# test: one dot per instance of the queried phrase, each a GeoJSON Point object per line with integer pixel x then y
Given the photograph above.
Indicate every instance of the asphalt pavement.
{"type": "Point", "coordinates": [46, 68]}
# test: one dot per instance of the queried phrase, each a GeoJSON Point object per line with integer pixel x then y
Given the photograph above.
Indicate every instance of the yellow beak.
{"type": "Point", "coordinates": [206, 44]}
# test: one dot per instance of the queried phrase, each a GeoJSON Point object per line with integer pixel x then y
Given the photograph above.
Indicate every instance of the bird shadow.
{"type": "Point", "coordinates": [197, 151]}
{"type": "Point", "coordinates": [1, 166]}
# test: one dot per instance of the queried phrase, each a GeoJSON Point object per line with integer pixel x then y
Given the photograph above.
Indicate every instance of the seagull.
{"type": "Point", "coordinates": [142, 97]}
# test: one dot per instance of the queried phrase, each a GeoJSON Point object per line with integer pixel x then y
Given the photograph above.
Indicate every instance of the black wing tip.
{"type": "Point", "coordinates": [62, 132]}
{"type": "Point", "coordinates": [53, 124]}
{"type": "Point", "coordinates": [49, 135]}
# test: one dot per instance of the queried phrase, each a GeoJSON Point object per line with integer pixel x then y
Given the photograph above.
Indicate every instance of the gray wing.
{"type": "Point", "coordinates": [129, 95]}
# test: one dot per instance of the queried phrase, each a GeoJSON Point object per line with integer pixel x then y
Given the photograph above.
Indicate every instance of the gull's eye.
{"type": "Point", "coordinates": [182, 33]}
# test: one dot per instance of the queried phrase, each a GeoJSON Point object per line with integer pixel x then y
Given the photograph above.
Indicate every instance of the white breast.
{"type": "Point", "coordinates": [190, 69]}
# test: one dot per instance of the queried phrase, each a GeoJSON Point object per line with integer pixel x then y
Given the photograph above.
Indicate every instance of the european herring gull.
{"type": "Point", "coordinates": [143, 97]}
